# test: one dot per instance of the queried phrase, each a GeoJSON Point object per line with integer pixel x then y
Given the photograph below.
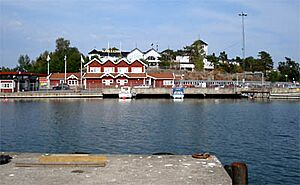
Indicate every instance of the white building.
{"type": "Point", "coordinates": [152, 57]}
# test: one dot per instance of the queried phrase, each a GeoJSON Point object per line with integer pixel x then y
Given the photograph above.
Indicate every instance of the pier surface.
{"type": "Point", "coordinates": [120, 169]}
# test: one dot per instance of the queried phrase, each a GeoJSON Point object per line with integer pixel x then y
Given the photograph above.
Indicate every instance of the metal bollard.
{"type": "Point", "coordinates": [239, 173]}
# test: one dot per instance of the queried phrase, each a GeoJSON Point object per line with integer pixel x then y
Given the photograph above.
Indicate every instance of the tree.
{"type": "Point", "coordinates": [196, 53]}
{"type": "Point", "coordinates": [57, 63]}
{"type": "Point", "coordinates": [289, 68]}
{"type": "Point", "coordinates": [62, 44]}
{"type": "Point", "coordinates": [265, 61]}
{"type": "Point", "coordinates": [24, 64]}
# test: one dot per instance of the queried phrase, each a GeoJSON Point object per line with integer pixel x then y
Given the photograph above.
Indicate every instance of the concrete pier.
{"type": "Point", "coordinates": [120, 169]}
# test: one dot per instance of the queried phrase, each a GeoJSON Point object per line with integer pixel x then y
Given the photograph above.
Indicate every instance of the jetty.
{"type": "Point", "coordinates": [118, 169]}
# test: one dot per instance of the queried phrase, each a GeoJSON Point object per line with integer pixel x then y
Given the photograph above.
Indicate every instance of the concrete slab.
{"type": "Point", "coordinates": [120, 169]}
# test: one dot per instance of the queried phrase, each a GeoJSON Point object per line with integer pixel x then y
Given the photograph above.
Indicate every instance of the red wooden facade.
{"type": "Point", "coordinates": [104, 74]}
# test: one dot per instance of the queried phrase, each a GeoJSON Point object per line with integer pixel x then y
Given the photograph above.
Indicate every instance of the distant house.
{"type": "Point", "coordinates": [113, 54]}
{"type": "Point", "coordinates": [135, 54]}
{"type": "Point", "coordinates": [152, 57]}
{"type": "Point", "coordinates": [159, 80]}
{"type": "Point", "coordinates": [72, 79]}
{"type": "Point", "coordinates": [184, 63]}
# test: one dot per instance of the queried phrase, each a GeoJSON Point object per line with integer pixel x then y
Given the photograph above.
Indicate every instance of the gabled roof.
{"type": "Point", "coordinates": [151, 50]}
{"type": "Point", "coordinates": [94, 51]}
{"type": "Point", "coordinates": [161, 75]}
{"type": "Point", "coordinates": [136, 49]}
{"type": "Point", "coordinates": [62, 75]}
{"type": "Point", "coordinates": [92, 75]}
{"type": "Point", "coordinates": [122, 59]}
{"type": "Point", "coordinates": [138, 60]}
{"type": "Point", "coordinates": [97, 60]}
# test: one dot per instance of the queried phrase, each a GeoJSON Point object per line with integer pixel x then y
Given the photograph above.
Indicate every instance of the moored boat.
{"type": "Point", "coordinates": [126, 93]}
{"type": "Point", "coordinates": [177, 93]}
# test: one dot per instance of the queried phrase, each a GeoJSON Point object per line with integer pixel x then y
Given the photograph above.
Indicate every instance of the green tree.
{"type": "Point", "coordinates": [24, 64]}
{"type": "Point", "coordinates": [196, 53]}
{"type": "Point", "coordinates": [289, 68]}
{"type": "Point", "coordinates": [57, 62]}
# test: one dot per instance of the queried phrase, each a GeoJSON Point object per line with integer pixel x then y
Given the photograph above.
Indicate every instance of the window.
{"type": "Point", "coordinates": [151, 58]}
{"type": "Point", "coordinates": [168, 82]}
{"type": "Point", "coordinates": [6, 85]}
{"type": "Point", "coordinates": [107, 82]}
{"type": "Point", "coordinates": [95, 69]}
{"type": "Point", "coordinates": [136, 69]}
{"type": "Point", "coordinates": [122, 81]}
{"type": "Point", "coordinates": [122, 69]}
{"type": "Point", "coordinates": [109, 70]}
{"type": "Point", "coordinates": [72, 82]}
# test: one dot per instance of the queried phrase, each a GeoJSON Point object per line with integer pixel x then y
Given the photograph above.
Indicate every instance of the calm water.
{"type": "Point", "coordinates": [264, 134]}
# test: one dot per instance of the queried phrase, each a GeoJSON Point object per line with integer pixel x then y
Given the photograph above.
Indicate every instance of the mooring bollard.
{"type": "Point", "coordinates": [239, 173]}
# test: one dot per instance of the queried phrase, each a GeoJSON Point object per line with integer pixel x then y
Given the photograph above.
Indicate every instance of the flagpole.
{"type": "Point", "coordinates": [65, 69]}
{"type": "Point", "coordinates": [81, 71]}
{"type": "Point", "coordinates": [48, 81]}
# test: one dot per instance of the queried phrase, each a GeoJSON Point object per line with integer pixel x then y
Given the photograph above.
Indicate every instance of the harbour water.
{"type": "Point", "coordinates": [263, 134]}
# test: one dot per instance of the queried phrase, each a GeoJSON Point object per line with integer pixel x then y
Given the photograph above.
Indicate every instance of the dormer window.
{"type": "Point", "coordinates": [109, 69]}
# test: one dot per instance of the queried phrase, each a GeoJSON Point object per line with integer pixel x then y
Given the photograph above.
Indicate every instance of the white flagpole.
{"type": "Point", "coordinates": [48, 60]}
{"type": "Point", "coordinates": [65, 69]}
{"type": "Point", "coordinates": [48, 81]}
{"type": "Point", "coordinates": [81, 70]}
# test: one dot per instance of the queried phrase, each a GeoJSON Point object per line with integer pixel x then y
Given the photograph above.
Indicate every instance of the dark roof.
{"type": "Point", "coordinates": [150, 50]}
{"type": "Point", "coordinates": [112, 54]}
{"type": "Point", "coordinates": [203, 42]}
{"type": "Point", "coordinates": [94, 51]}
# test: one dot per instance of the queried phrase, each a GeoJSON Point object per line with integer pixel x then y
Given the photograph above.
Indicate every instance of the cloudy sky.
{"type": "Point", "coordinates": [32, 26]}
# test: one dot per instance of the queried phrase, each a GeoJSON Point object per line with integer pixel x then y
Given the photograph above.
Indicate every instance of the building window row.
{"type": "Point", "coordinates": [72, 82]}
{"type": "Point", "coordinates": [119, 70]}
{"type": "Point", "coordinates": [6, 85]}
{"type": "Point", "coordinates": [168, 82]}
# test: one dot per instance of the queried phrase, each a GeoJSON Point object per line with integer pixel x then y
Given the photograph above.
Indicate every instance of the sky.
{"type": "Point", "coordinates": [32, 26]}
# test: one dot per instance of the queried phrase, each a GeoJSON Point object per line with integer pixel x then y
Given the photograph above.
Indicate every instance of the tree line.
{"type": "Point", "coordinates": [288, 70]}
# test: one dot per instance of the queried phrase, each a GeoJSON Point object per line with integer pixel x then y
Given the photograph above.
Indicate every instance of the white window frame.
{"type": "Point", "coordinates": [95, 69]}
{"type": "Point", "coordinates": [122, 81]}
{"type": "Point", "coordinates": [122, 69]}
{"type": "Point", "coordinates": [109, 69]}
{"type": "Point", "coordinates": [72, 82]}
{"type": "Point", "coordinates": [6, 85]}
{"type": "Point", "coordinates": [104, 81]}
{"type": "Point", "coordinates": [168, 82]}
{"type": "Point", "coordinates": [136, 69]}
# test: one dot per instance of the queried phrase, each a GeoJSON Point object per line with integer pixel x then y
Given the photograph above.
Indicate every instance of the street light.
{"type": "Point", "coordinates": [286, 78]}
{"type": "Point", "coordinates": [243, 32]}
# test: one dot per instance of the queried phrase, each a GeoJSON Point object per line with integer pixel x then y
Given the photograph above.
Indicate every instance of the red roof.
{"type": "Point", "coordinates": [62, 75]}
{"type": "Point", "coordinates": [161, 75]}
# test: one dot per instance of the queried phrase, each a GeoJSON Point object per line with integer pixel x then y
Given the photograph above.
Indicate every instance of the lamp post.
{"type": "Point", "coordinates": [286, 78]}
{"type": "Point", "coordinates": [243, 33]}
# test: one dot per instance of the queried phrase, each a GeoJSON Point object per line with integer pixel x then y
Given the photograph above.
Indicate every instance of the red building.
{"type": "Point", "coordinates": [72, 79]}
{"type": "Point", "coordinates": [110, 73]}
{"type": "Point", "coordinates": [159, 80]}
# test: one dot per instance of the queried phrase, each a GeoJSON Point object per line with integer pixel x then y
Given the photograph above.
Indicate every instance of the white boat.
{"type": "Point", "coordinates": [126, 93]}
{"type": "Point", "coordinates": [177, 93]}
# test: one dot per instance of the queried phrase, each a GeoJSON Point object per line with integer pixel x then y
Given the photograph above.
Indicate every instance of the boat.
{"type": "Point", "coordinates": [177, 93]}
{"type": "Point", "coordinates": [126, 93]}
